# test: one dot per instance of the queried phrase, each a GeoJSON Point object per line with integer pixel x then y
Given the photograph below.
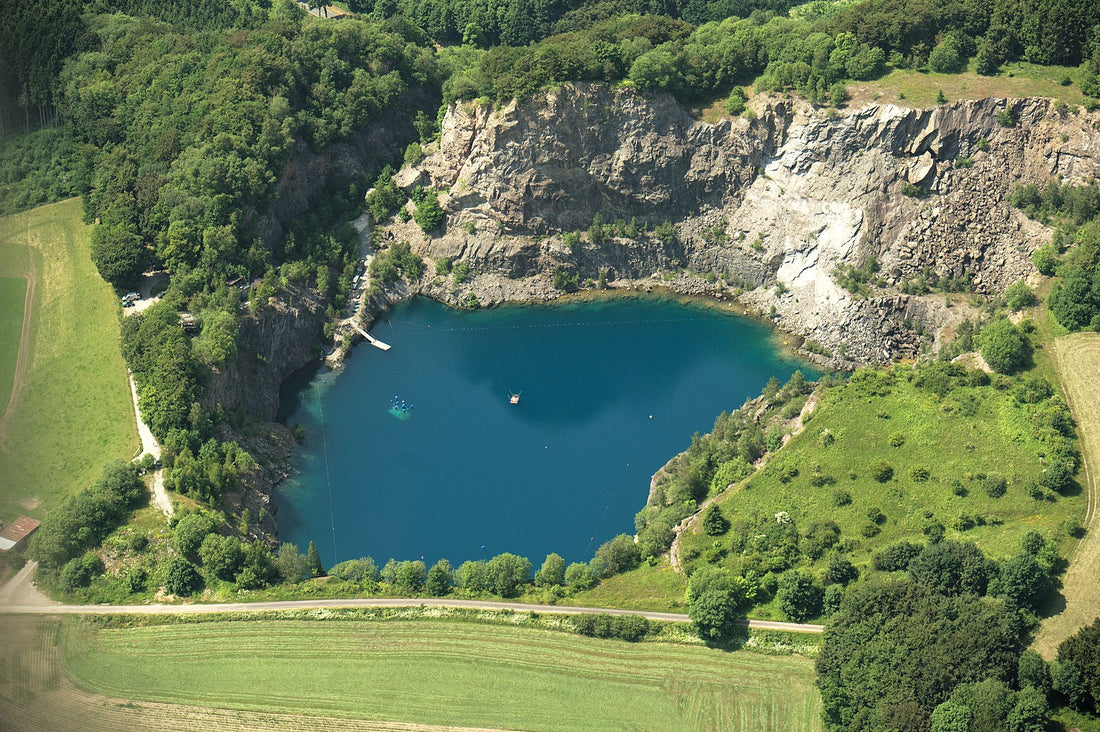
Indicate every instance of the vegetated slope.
{"type": "Point", "coordinates": [441, 673]}
{"type": "Point", "coordinates": [71, 403]}
{"type": "Point", "coordinates": [1077, 359]}
{"type": "Point", "coordinates": [36, 695]}
{"type": "Point", "coordinates": [889, 456]}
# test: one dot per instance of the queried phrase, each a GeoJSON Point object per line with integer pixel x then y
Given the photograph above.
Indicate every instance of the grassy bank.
{"type": "Point", "coordinates": [70, 408]}
{"type": "Point", "coordinates": [439, 672]}
{"type": "Point", "coordinates": [939, 452]}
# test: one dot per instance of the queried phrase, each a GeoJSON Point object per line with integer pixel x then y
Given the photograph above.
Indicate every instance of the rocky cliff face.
{"type": "Point", "coordinates": [766, 209]}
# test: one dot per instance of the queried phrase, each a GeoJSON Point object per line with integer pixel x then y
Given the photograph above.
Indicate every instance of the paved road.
{"type": "Point", "coordinates": [44, 608]}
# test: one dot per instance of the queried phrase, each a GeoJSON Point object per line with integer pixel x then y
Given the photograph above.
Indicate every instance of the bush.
{"type": "Point", "coordinates": [896, 439]}
{"type": "Point", "coordinates": [180, 577]}
{"type": "Point", "coordinates": [919, 474]}
{"type": "Point", "coordinates": [1005, 118]}
{"type": "Point", "coordinates": [735, 104]}
{"type": "Point", "coordinates": [1004, 347]}
{"type": "Point", "coordinates": [896, 557]}
{"type": "Point", "coordinates": [1019, 295]}
{"type": "Point", "coordinates": [881, 471]}
{"type": "Point", "coordinates": [841, 498]}
{"type": "Point", "coordinates": [995, 485]}
{"type": "Point", "coordinates": [840, 570]}
{"type": "Point", "coordinates": [1045, 260]}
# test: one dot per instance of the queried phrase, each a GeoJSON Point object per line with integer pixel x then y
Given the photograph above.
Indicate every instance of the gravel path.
{"type": "Point", "coordinates": [150, 445]}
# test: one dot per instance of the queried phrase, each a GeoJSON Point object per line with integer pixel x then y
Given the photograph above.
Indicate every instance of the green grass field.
{"type": "Point", "coordinates": [13, 291]}
{"type": "Point", "coordinates": [71, 407]}
{"type": "Point", "coordinates": [919, 89]}
{"type": "Point", "coordinates": [969, 432]}
{"type": "Point", "coordinates": [448, 673]}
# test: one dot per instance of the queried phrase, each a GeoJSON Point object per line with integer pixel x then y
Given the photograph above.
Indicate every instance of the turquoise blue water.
{"type": "Point", "coordinates": [609, 391]}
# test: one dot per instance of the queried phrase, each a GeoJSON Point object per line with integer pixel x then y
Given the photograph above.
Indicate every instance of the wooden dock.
{"type": "Point", "coordinates": [372, 340]}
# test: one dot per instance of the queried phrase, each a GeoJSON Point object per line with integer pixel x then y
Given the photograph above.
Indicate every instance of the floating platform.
{"type": "Point", "coordinates": [372, 340]}
{"type": "Point", "coordinates": [401, 414]}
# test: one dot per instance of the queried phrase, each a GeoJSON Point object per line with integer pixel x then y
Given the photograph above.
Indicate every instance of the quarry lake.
{"type": "Point", "coordinates": [608, 392]}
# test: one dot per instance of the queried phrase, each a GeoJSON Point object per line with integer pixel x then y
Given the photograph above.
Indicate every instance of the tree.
{"type": "Point", "coordinates": [222, 556]}
{"type": "Point", "coordinates": [1004, 347]}
{"type": "Point", "coordinates": [952, 567]}
{"type": "Point", "coordinates": [580, 577]}
{"type": "Point", "coordinates": [951, 717]}
{"type": "Point", "coordinates": [362, 571]}
{"type": "Point", "coordinates": [714, 523]}
{"type": "Point", "coordinates": [715, 597]}
{"type": "Point", "coordinates": [189, 533]}
{"type": "Point", "coordinates": [1032, 671]}
{"type": "Point", "coordinates": [428, 214]}
{"type": "Point", "coordinates": [617, 555]}
{"type": "Point", "coordinates": [291, 564]}
{"type": "Point", "coordinates": [654, 70]}
{"type": "Point", "coordinates": [440, 579]}
{"type": "Point", "coordinates": [119, 255]}
{"type": "Point", "coordinates": [180, 577]}
{"type": "Point", "coordinates": [1023, 582]}
{"type": "Point", "coordinates": [506, 573]}
{"type": "Point", "coordinates": [1077, 671]}
{"type": "Point", "coordinates": [552, 572]}
{"type": "Point", "coordinates": [313, 561]}
{"type": "Point", "coordinates": [896, 650]}
{"type": "Point", "coordinates": [1018, 295]}
{"type": "Point", "coordinates": [409, 577]}
{"type": "Point", "coordinates": [840, 570]}
{"type": "Point", "coordinates": [1031, 712]}
{"type": "Point", "coordinates": [798, 595]}
{"type": "Point", "coordinates": [216, 344]}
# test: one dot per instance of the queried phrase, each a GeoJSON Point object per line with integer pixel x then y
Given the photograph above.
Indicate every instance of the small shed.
{"type": "Point", "coordinates": [15, 534]}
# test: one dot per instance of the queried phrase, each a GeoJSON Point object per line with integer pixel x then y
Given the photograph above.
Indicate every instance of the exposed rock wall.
{"type": "Point", "coordinates": [765, 209]}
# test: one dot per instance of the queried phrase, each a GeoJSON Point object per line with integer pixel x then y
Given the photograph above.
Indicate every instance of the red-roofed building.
{"type": "Point", "coordinates": [15, 534]}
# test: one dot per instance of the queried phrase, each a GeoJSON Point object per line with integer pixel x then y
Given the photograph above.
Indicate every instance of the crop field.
{"type": "Point", "coordinates": [13, 291]}
{"type": "Point", "coordinates": [1077, 359]}
{"type": "Point", "coordinates": [966, 434]}
{"type": "Point", "coordinates": [70, 408]}
{"type": "Point", "coordinates": [443, 672]}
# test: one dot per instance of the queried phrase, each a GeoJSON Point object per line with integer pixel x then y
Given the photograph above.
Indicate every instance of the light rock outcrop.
{"type": "Point", "coordinates": [767, 209]}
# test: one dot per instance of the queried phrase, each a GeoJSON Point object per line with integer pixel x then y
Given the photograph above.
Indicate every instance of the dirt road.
{"type": "Point", "coordinates": [15, 599]}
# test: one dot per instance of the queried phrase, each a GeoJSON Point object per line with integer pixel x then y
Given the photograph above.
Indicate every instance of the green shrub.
{"type": "Point", "coordinates": [896, 439]}
{"type": "Point", "coordinates": [1019, 296]}
{"type": "Point", "coordinates": [881, 471]}
{"type": "Point", "coordinates": [995, 485]}
{"type": "Point", "coordinates": [1005, 118]}
{"type": "Point", "coordinates": [1004, 347]}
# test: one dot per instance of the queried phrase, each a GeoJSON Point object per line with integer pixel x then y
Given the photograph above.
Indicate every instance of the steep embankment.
{"type": "Point", "coordinates": [765, 209]}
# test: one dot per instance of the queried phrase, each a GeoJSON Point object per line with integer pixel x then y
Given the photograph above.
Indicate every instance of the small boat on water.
{"type": "Point", "coordinates": [514, 398]}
